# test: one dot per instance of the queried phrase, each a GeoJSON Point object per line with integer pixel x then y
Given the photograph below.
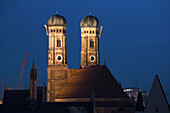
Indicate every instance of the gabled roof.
{"type": "Point", "coordinates": [157, 100]}
{"type": "Point", "coordinates": [98, 79]}
{"type": "Point", "coordinates": [139, 104]}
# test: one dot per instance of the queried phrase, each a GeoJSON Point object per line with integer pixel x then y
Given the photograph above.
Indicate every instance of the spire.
{"type": "Point", "coordinates": [33, 69]}
{"type": "Point", "coordinates": [139, 104]}
{"type": "Point", "coordinates": [33, 65]}
{"type": "Point", "coordinates": [57, 11]}
{"type": "Point", "coordinates": [89, 13]}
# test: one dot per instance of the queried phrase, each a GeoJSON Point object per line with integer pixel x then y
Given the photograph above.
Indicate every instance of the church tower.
{"type": "Point", "coordinates": [33, 83]}
{"type": "Point", "coordinates": [90, 55]}
{"type": "Point", "coordinates": [57, 58]}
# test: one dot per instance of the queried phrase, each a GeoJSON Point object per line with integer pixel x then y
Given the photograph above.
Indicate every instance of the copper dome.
{"type": "Point", "coordinates": [89, 21]}
{"type": "Point", "coordinates": [57, 20]}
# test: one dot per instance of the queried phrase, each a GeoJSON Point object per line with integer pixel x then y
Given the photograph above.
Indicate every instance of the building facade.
{"type": "Point", "coordinates": [90, 41]}
{"type": "Point", "coordinates": [57, 56]}
{"type": "Point", "coordinates": [57, 70]}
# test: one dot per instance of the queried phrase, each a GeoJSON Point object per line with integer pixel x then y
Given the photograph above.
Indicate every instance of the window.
{"type": "Point", "coordinates": [60, 30]}
{"type": "Point", "coordinates": [57, 30]}
{"type": "Point", "coordinates": [87, 31]}
{"type": "Point", "coordinates": [52, 30]}
{"type": "Point", "coordinates": [91, 44]}
{"type": "Point", "coordinates": [49, 57]}
{"type": "Point", "coordinates": [93, 32]}
{"type": "Point", "coordinates": [58, 43]}
{"type": "Point", "coordinates": [90, 32]}
{"type": "Point", "coordinates": [84, 31]}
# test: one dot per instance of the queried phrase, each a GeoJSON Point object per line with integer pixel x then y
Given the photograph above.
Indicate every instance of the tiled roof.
{"type": "Point", "coordinates": [98, 79]}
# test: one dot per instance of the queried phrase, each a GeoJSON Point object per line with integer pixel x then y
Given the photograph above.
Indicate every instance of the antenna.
{"type": "Point", "coordinates": [135, 82]}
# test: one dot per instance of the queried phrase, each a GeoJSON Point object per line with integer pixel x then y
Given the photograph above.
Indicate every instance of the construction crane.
{"type": "Point", "coordinates": [22, 69]}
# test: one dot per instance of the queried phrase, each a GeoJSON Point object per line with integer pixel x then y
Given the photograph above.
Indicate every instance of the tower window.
{"type": "Point", "coordinates": [84, 31]}
{"type": "Point", "coordinates": [91, 44]}
{"type": "Point", "coordinates": [87, 31]}
{"type": "Point", "coordinates": [93, 32]}
{"type": "Point", "coordinates": [57, 30]}
{"type": "Point", "coordinates": [51, 30]}
{"type": "Point", "coordinates": [58, 43]}
{"type": "Point", "coordinates": [54, 30]}
{"type": "Point", "coordinates": [60, 30]}
{"type": "Point", "coordinates": [90, 32]}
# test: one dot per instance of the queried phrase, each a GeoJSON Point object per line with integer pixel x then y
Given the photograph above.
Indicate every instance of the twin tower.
{"type": "Point", "coordinates": [57, 70]}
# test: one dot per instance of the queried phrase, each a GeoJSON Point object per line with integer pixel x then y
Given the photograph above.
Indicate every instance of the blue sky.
{"type": "Point", "coordinates": [135, 40]}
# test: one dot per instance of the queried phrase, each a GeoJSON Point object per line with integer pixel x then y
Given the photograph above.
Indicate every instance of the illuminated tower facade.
{"type": "Point", "coordinates": [90, 55]}
{"type": "Point", "coordinates": [57, 56]}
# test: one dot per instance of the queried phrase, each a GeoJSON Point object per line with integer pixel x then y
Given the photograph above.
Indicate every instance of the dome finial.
{"type": "Point", "coordinates": [89, 13]}
{"type": "Point", "coordinates": [57, 11]}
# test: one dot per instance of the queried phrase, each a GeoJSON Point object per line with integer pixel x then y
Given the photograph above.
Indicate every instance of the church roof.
{"type": "Point", "coordinates": [98, 79]}
{"type": "Point", "coordinates": [157, 101]}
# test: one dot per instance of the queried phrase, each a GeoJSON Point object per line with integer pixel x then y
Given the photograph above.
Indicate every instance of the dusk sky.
{"type": "Point", "coordinates": [135, 39]}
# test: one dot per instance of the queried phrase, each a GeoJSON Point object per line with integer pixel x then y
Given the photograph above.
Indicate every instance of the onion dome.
{"type": "Point", "coordinates": [89, 21]}
{"type": "Point", "coordinates": [57, 20]}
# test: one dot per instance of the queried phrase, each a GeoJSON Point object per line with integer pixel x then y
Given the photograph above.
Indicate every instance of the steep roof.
{"type": "Point", "coordinates": [139, 104]}
{"type": "Point", "coordinates": [98, 79]}
{"type": "Point", "coordinates": [157, 100]}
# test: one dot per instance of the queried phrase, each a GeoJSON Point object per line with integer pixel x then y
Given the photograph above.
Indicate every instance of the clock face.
{"type": "Point", "coordinates": [92, 58]}
{"type": "Point", "coordinates": [59, 58]}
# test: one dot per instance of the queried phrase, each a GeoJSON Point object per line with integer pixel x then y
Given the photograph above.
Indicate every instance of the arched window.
{"type": "Point", "coordinates": [58, 43]}
{"type": "Point", "coordinates": [91, 44]}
